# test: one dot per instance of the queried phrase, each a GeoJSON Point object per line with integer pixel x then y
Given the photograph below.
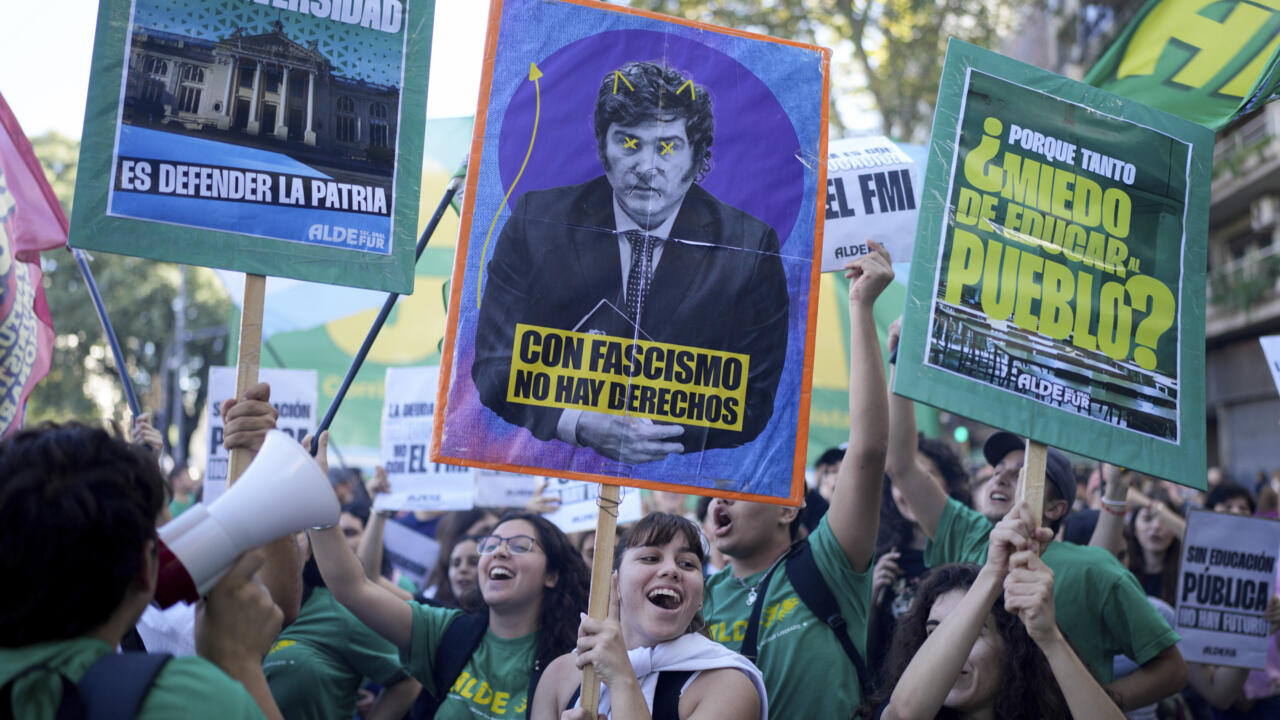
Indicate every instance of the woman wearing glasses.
{"type": "Point", "coordinates": [649, 653]}
{"type": "Point", "coordinates": [534, 584]}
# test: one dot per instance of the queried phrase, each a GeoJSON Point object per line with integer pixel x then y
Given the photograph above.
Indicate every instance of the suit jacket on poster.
{"type": "Point", "coordinates": [718, 285]}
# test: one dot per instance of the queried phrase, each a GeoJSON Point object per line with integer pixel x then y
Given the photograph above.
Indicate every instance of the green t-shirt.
{"type": "Point", "coordinates": [494, 684]}
{"type": "Point", "coordinates": [316, 666]}
{"type": "Point", "coordinates": [177, 507]}
{"type": "Point", "coordinates": [1101, 608]}
{"type": "Point", "coordinates": [806, 672]}
{"type": "Point", "coordinates": [186, 687]}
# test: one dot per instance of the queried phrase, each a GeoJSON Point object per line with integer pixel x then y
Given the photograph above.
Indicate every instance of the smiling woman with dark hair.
{"type": "Point", "coordinates": [648, 652]}
{"type": "Point", "coordinates": [534, 585]}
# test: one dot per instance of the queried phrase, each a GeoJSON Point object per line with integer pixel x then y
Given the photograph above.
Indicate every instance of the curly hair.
{"type": "Point", "coordinates": [1226, 491]}
{"type": "Point", "coordinates": [656, 530]}
{"type": "Point", "coordinates": [561, 604]}
{"type": "Point", "coordinates": [77, 508]}
{"type": "Point", "coordinates": [1028, 688]}
{"type": "Point", "coordinates": [654, 93]}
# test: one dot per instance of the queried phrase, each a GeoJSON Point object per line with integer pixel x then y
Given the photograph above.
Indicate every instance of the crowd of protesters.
{"type": "Point", "coordinates": [912, 584]}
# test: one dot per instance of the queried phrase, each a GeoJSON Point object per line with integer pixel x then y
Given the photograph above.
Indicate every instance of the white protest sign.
{"type": "Point", "coordinates": [293, 395]}
{"type": "Point", "coordinates": [416, 482]}
{"type": "Point", "coordinates": [1227, 579]}
{"type": "Point", "coordinates": [498, 489]}
{"type": "Point", "coordinates": [1271, 349]}
{"type": "Point", "coordinates": [578, 508]}
{"type": "Point", "coordinates": [872, 192]}
{"type": "Point", "coordinates": [409, 551]}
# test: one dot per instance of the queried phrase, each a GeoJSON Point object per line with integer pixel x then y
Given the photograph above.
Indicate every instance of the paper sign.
{"type": "Point", "coordinates": [872, 191]}
{"type": "Point", "coordinates": [293, 395]}
{"type": "Point", "coordinates": [1271, 349]}
{"type": "Point", "coordinates": [1057, 282]}
{"type": "Point", "coordinates": [410, 552]}
{"type": "Point", "coordinates": [547, 362]}
{"type": "Point", "coordinates": [416, 482]}
{"type": "Point", "coordinates": [1227, 575]}
{"type": "Point", "coordinates": [497, 489]}
{"type": "Point", "coordinates": [579, 506]}
{"type": "Point", "coordinates": [259, 136]}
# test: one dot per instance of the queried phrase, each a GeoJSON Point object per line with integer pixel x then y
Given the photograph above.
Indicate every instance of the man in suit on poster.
{"type": "Point", "coordinates": [641, 252]}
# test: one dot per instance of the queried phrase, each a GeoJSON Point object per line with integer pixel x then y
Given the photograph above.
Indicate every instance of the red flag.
{"type": "Point", "coordinates": [31, 220]}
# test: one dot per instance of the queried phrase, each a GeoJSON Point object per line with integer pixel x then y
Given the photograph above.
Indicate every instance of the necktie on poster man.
{"type": "Point", "coordinates": [550, 367]}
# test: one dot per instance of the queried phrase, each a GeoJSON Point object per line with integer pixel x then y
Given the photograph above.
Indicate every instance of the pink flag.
{"type": "Point", "coordinates": [31, 220]}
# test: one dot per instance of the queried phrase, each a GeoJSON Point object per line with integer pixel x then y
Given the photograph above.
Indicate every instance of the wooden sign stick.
{"type": "Point", "coordinates": [249, 352]}
{"type": "Point", "coordinates": [601, 583]}
{"type": "Point", "coordinates": [1031, 482]}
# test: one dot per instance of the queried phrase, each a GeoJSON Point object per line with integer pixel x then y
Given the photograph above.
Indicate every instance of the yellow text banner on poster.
{"type": "Point", "coordinates": [621, 376]}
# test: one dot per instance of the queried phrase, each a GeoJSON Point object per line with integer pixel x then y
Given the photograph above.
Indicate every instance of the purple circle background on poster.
{"type": "Point", "coordinates": [753, 153]}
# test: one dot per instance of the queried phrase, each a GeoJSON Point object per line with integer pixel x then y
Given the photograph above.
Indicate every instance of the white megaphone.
{"type": "Point", "coordinates": [281, 492]}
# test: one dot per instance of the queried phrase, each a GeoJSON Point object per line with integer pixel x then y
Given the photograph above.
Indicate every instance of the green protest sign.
{"type": "Point", "coordinates": [1059, 267]}
{"type": "Point", "coordinates": [267, 137]}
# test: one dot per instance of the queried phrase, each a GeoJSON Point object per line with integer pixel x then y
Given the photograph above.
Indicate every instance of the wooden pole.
{"type": "Point", "coordinates": [249, 353]}
{"type": "Point", "coordinates": [1031, 483]}
{"type": "Point", "coordinates": [601, 583]}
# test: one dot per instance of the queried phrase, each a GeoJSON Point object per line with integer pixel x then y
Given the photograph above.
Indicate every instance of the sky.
{"type": "Point", "coordinates": [44, 74]}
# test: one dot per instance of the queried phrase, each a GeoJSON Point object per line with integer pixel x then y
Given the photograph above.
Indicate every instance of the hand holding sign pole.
{"type": "Point", "coordinates": [601, 582]}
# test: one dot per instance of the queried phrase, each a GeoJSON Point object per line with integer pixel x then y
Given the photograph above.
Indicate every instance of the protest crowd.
{"type": "Point", "coordinates": [951, 599]}
{"type": "Point", "coordinates": [909, 575]}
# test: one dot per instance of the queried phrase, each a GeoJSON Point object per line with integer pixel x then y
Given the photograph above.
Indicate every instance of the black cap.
{"type": "Point", "coordinates": [1057, 468]}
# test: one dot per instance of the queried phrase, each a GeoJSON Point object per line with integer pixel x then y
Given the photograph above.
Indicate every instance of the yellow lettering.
{"type": "Point", "coordinates": [1055, 303]}
{"type": "Point", "coordinates": [739, 630]}
{"type": "Point", "coordinates": [967, 207]}
{"type": "Point", "coordinates": [1062, 194]}
{"type": "Point", "coordinates": [1242, 83]}
{"type": "Point", "coordinates": [1115, 320]}
{"type": "Point", "coordinates": [1216, 42]}
{"type": "Point", "coordinates": [1117, 208]}
{"type": "Point", "coordinates": [466, 691]}
{"type": "Point", "coordinates": [965, 265]}
{"type": "Point", "coordinates": [462, 679]}
{"type": "Point", "coordinates": [1087, 204]}
{"type": "Point", "coordinates": [978, 170]}
{"type": "Point", "coordinates": [1117, 253]}
{"type": "Point", "coordinates": [1021, 179]}
{"type": "Point", "coordinates": [1028, 291]}
{"type": "Point", "coordinates": [1095, 250]}
{"type": "Point", "coordinates": [500, 702]}
{"type": "Point", "coordinates": [483, 694]}
{"type": "Point", "coordinates": [998, 281]}
{"type": "Point", "coordinates": [1082, 338]}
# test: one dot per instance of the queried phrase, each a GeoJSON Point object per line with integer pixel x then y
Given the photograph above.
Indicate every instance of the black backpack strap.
{"type": "Point", "coordinates": [752, 635]}
{"type": "Point", "coordinates": [534, 677]}
{"type": "Point", "coordinates": [460, 640]}
{"type": "Point", "coordinates": [71, 706]}
{"type": "Point", "coordinates": [666, 696]}
{"type": "Point", "coordinates": [114, 687]}
{"type": "Point", "coordinates": [802, 571]}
